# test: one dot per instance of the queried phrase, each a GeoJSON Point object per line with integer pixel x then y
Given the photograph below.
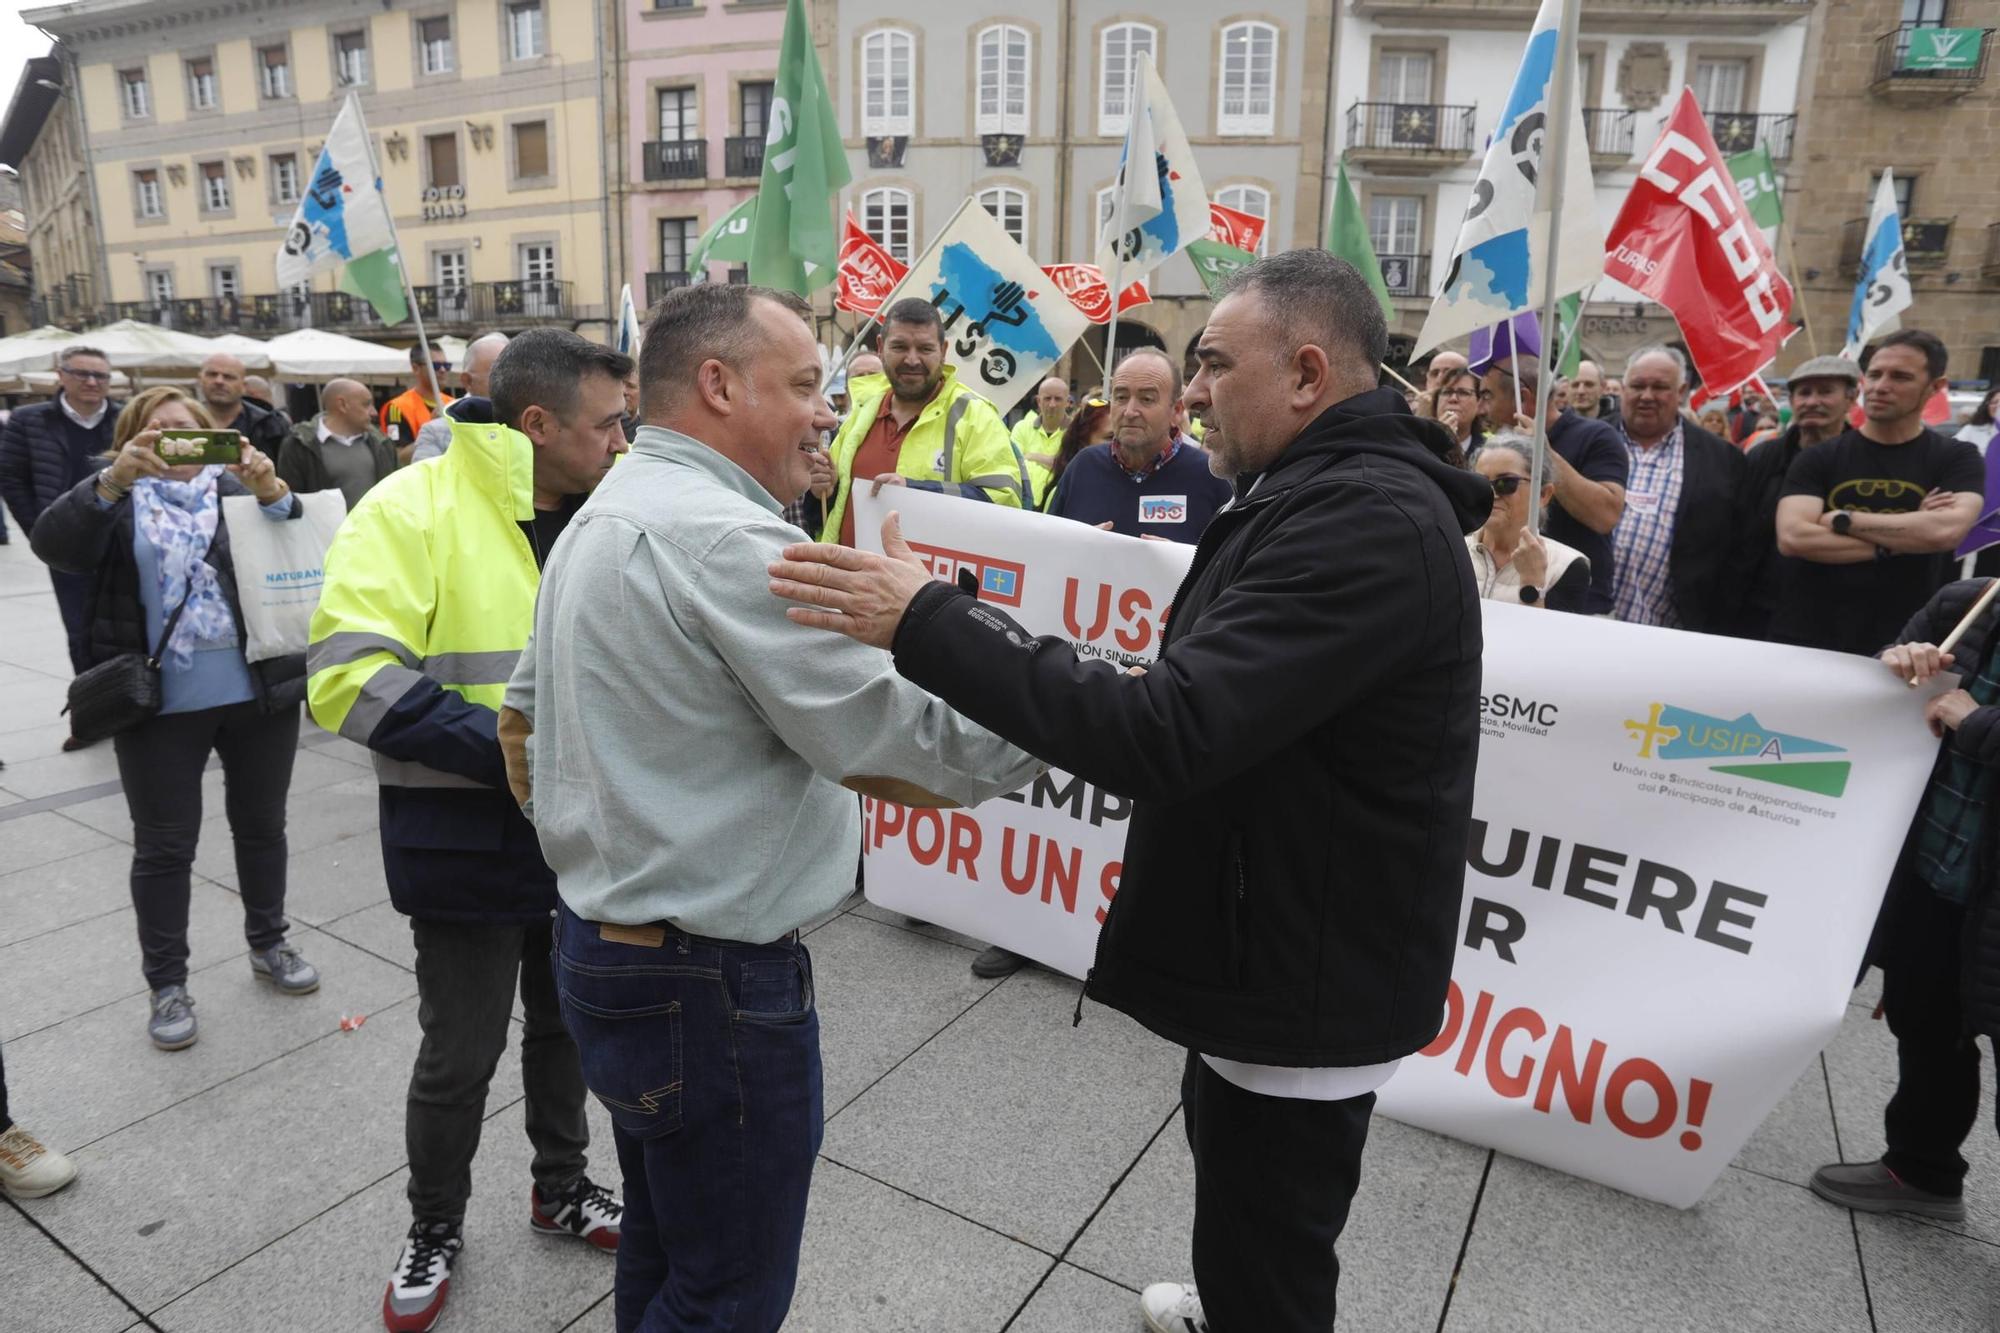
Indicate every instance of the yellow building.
{"type": "Point", "coordinates": [203, 121]}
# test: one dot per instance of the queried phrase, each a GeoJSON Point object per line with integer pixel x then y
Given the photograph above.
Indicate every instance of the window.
{"type": "Point", "coordinates": [1003, 80]}
{"type": "Point", "coordinates": [1586, 77]}
{"type": "Point", "coordinates": [448, 269]}
{"type": "Point", "coordinates": [441, 160]}
{"type": "Point", "coordinates": [525, 30]}
{"type": "Point", "coordinates": [350, 58]}
{"type": "Point", "coordinates": [1904, 187]}
{"type": "Point", "coordinates": [434, 43]}
{"type": "Point", "coordinates": [146, 194]}
{"type": "Point", "coordinates": [1009, 208]}
{"type": "Point", "coordinates": [1719, 85]}
{"type": "Point", "coordinates": [538, 263]}
{"type": "Point", "coordinates": [160, 286]}
{"type": "Point", "coordinates": [274, 71]}
{"type": "Point", "coordinates": [679, 120]}
{"type": "Point", "coordinates": [285, 178]}
{"type": "Point", "coordinates": [215, 186]}
{"type": "Point", "coordinates": [885, 215]}
{"type": "Point", "coordinates": [531, 149]}
{"type": "Point", "coordinates": [1254, 200]}
{"type": "Point", "coordinates": [677, 241]}
{"type": "Point", "coordinates": [222, 284]}
{"type": "Point", "coordinates": [888, 68]}
{"type": "Point", "coordinates": [201, 84]}
{"type": "Point", "coordinates": [1118, 57]}
{"type": "Point", "coordinates": [1924, 13]}
{"type": "Point", "coordinates": [1395, 224]}
{"type": "Point", "coordinates": [1249, 79]}
{"type": "Point", "coordinates": [754, 102]}
{"type": "Point", "coordinates": [1404, 77]}
{"type": "Point", "coordinates": [137, 95]}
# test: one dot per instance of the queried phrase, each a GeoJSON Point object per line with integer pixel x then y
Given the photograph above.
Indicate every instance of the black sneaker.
{"type": "Point", "coordinates": [421, 1279]}
{"type": "Point", "coordinates": [1871, 1187]}
{"type": "Point", "coordinates": [997, 962]}
{"type": "Point", "coordinates": [588, 1212]}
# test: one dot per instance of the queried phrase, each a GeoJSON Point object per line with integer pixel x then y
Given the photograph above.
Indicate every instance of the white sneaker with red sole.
{"type": "Point", "coordinates": [422, 1278]}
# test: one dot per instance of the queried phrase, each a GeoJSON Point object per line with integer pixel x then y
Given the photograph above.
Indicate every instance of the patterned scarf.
{"type": "Point", "coordinates": [178, 520]}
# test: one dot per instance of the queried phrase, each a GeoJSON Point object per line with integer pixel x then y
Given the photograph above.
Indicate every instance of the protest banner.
{"type": "Point", "coordinates": [1679, 846]}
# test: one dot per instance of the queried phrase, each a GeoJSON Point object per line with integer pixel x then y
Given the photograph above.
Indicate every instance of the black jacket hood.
{"type": "Point", "coordinates": [1380, 422]}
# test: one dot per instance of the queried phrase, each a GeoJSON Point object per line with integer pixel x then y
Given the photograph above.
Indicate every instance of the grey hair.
{"type": "Point", "coordinates": [545, 368]}
{"type": "Point", "coordinates": [1659, 349]}
{"type": "Point", "coordinates": [1514, 442]}
{"type": "Point", "coordinates": [707, 321]}
{"type": "Point", "coordinates": [78, 349]}
{"type": "Point", "coordinates": [1314, 298]}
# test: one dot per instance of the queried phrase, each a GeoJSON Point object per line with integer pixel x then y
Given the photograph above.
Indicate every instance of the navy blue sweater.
{"type": "Point", "coordinates": [1176, 502]}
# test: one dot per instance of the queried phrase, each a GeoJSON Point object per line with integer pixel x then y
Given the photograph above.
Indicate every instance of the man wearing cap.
{"type": "Point", "coordinates": [1822, 391]}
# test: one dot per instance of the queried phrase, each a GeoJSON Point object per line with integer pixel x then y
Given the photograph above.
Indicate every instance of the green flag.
{"type": "Point", "coordinates": [1933, 49]}
{"type": "Point", "coordinates": [1757, 181]}
{"type": "Point", "coordinates": [794, 243]}
{"type": "Point", "coordinates": [1567, 311]}
{"type": "Point", "coordinates": [728, 241]}
{"type": "Point", "coordinates": [1347, 238]}
{"type": "Point", "coordinates": [1214, 262]}
{"type": "Point", "coordinates": [376, 279]}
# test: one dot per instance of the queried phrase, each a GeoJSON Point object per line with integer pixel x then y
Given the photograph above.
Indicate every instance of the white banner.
{"type": "Point", "coordinates": [1679, 846]}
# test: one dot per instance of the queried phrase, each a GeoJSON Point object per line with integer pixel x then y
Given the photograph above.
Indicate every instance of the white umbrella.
{"type": "Point", "coordinates": [130, 345]}
{"type": "Point", "coordinates": [451, 348]}
{"type": "Point", "coordinates": [315, 354]}
{"type": "Point", "coordinates": [249, 351]}
{"type": "Point", "coordinates": [34, 350]}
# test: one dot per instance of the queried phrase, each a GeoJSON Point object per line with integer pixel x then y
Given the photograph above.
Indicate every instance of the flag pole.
{"type": "Point", "coordinates": [402, 270]}
{"type": "Point", "coordinates": [1555, 157]}
{"type": "Point", "coordinates": [1110, 361]}
{"type": "Point", "coordinates": [1805, 315]}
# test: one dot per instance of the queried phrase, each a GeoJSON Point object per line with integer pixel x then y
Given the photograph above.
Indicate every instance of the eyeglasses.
{"type": "Point", "coordinates": [88, 376]}
{"type": "Point", "coordinates": [1509, 482]}
{"type": "Point", "coordinates": [1458, 393]}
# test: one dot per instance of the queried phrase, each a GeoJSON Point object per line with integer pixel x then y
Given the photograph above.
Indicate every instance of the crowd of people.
{"type": "Point", "coordinates": [578, 541]}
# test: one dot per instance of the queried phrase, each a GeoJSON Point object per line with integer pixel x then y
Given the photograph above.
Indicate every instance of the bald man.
{"type": "Point", "coordinates": [1039, 434]}
{"type": "Point", "coordinates": [472, 405]}
{"type": "Point", "coordinates": [864, 363]}
{"type": "Point", "coordinates": [340, 449]}
{"type": "Point", "coordinates": [222, 384]}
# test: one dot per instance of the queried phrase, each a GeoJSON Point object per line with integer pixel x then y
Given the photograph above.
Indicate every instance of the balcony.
{"type": "Point", "coordinates": [676, 160]}
{"type": "Point", "coordinates": [659, 284]}
{"type": "Point", "coordinates": [66, 304]}
{"type": "Point", "coordinates": [743, 155]}
{"type": "Point", "coordinates": [1938, 64]}
{"type": "Point", "coordinates": [512, 304]}
{"type": "Point", "coordinates": [1926, 244]}
{"type": "Point", "coordinates": [1611, 133]}
{"type": "Point", "coordinates": [444, 306]}
{"type": "Point", "coordinates": [1704, 17]}
{"type": "Point", "coordinates": [1408, 136]}
{"type": "Point", "coordinates": [1407, 275]}
{"type": "Point", "coordinates": [1740, 131]}
{"type": "Point", "coordinates": [1989, 268]}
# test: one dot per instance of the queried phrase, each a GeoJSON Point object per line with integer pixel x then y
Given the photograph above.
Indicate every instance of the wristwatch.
{"type": "Point", "coordinates": [1530, 593]}
{"type": "Point", "coordinates": [1842, 522]}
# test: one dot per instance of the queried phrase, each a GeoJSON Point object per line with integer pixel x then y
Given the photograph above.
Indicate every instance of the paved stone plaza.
{"type": "Point", "coordinates": [986, 1165]}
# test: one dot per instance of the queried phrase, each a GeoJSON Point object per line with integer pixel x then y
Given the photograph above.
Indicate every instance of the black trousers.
{"type": "Point", "coordinates": [1273, 1179]}
{"type": "Point", "coordinates": [73, 600]}
{"type": "Point", "coordinates": [1937, 1062]}
{"type": "Point", "coordinates": [160, 762]}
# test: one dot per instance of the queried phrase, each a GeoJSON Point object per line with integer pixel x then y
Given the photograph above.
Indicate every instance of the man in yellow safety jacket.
{"type": "Point", "coordinates": [1039, 435]}
{"type": "Point", "coordinates": [917, 425]}
{"type": "Point", "coordinates": [428, 602]}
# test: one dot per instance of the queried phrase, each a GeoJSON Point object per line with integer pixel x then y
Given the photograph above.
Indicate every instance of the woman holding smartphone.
{"type": "Point", "coordinates": [152, 539]}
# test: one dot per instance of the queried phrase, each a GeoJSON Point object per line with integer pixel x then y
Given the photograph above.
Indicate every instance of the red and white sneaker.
{"type": "Point", "coordinates": [422, 1277]}
{"type": "Point", "coordinates": [588, 1212]}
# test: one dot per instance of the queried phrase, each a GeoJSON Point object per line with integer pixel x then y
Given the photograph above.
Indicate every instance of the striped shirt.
{"type": "Point", "coordinates": [1644, 537]}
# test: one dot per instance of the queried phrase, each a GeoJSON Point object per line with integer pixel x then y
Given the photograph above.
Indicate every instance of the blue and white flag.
{"type": "Point", "coordinates": [628, 323]}
{"type": "Point", "coordinates": [1883, 291]}
{"type": "Point", "coordinates": [1497, 264]}
{"type": "Point", "coordinates": [342, 216]}
{"type": "Point", "coordinates": [1154, 214]}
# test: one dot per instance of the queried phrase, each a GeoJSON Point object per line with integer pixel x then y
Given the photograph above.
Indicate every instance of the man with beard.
{"type": "Point", "coordinates": [1822, 394]}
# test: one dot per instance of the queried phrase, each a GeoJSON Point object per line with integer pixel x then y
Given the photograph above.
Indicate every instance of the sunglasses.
{"type": "Point", "coordinates": [1508, 482]}
{"type": "Point", "coordinates": [89, 376]}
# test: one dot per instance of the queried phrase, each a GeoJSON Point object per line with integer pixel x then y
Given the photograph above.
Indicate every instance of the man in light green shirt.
{"type": "Point", "coordinates": [1039, 434]}
{"type": "Point", "coordinates": [691, 762]}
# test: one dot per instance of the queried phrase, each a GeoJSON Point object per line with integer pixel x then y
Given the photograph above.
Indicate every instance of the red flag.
{"type": "Point", "coordinates": [867, 272]}
{"type": "Point", "coordinates": [1937, 410]}
{"type": "Point", "coordinates": [1685, 238]}
{"type": "Point", "coordinates": [1087, 290]}
{"type": "Point", "coordinates": [1242, 230]}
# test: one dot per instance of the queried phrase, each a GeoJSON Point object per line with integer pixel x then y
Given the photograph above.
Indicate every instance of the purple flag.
{"type": "Point", "coordinates": [1986, 532]}
{"type": "Point", "coordinates": [1520, 335]}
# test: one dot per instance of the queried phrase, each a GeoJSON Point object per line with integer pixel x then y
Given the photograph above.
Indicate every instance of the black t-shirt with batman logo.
{"type": "Point", "coordinates": [1861, 608]}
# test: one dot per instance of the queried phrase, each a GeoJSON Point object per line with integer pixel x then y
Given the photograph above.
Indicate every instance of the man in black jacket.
{"type": "Point", "coordinates": [1822, 393]}
{"type": "Point", "coordinates": [1301, 761]}
{"type": "Point", "coordinates": [222, 384]}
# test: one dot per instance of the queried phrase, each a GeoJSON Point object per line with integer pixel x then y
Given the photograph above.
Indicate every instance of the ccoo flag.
{"type": "Point", "coordinates": [1154, 214]}
{"type": "Point", "coordinates": [793, 244]}
{"type": "Point", "coordinates": [343, 222]}
{"type": "Point", "coordinates": [1883, 291]}
{"type": "Point", "coordinates": [1500, 258]}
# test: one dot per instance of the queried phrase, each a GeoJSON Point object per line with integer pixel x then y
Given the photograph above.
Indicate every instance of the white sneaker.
{"type": "Point", "coordinates": [28, 1169]}
{"type": "Point", "coordinates": [1172, 1307]}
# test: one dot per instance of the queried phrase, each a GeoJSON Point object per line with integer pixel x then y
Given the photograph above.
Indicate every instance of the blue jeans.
{"type": "Point", "coordinates": [706, 1054]}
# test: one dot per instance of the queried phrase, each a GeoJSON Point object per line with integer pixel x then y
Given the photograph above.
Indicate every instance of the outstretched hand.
{"type": "Point", "coordinates": [856, 593]}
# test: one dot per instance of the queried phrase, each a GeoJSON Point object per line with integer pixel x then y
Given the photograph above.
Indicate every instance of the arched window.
{"type": "Point", "coordinates": [1119, 50]}
{"type": "Point", "coordinates": [885, 215]}
{"type": "Point", "coordinates": [1254, 200]}
{"type": "Point", "coordinates": [1249, 79]}
{"type": "Point", "coordinates": [888, 82]}
{"type": "Point", "coordinates": [1009, 208]}
{"type": "Point", "coordinates": [1003, 80]}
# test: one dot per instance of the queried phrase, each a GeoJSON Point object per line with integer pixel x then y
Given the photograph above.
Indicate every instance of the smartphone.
{"type": "Point", "coordinates": [181, 447]}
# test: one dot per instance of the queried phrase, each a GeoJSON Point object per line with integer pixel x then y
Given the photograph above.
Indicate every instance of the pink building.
{"type": "Point", "coordinates": [694, 86]}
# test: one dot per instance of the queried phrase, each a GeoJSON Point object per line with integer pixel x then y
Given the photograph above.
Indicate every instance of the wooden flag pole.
{"type": "Point", "coordinates": [1805, 315]}
{"type": "Point", "coordinates": [1958, 630]}
{"type": "Point", "coordinates": [1555, 157]}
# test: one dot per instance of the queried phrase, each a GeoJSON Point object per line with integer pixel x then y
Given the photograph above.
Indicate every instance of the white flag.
{"type": "Point", "coordinates": [342, 215]}
{"type": "Point", "coordinates": [628, 323]}
{"type": "Point", "coordinates": [1163, 210]}
{"type": "Point", "coordinates": [1501, 254]}
{"type": "Point", "coordinates": [1883, 291]}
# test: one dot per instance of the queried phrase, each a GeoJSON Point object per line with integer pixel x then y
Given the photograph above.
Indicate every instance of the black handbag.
{"type": "Point", "coordinates": [117, 695]}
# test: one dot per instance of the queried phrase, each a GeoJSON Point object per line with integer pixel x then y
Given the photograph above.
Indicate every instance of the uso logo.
{"type": "Point", "coordinates": [1163, 509]}
{"type": "Point", "coordinates": [999, 580]}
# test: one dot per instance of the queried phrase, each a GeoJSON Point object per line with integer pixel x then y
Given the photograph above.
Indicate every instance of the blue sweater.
{"type": "Point", "coordinates": [1175, 502]}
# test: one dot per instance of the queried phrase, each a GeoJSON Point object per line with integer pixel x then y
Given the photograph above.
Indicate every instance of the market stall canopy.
{"type": "Point", "coordinates": [130, 345]}
{"type": "Point", "coordinates": [34, 350]}
{"type": "Point", "coordinates": [315, 354]}
{"type": "Point", "coordinates": [253, 354]}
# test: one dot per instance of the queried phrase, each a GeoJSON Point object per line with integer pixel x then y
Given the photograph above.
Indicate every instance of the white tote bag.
{"type": "Point", "coordinates": [280, 566]}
